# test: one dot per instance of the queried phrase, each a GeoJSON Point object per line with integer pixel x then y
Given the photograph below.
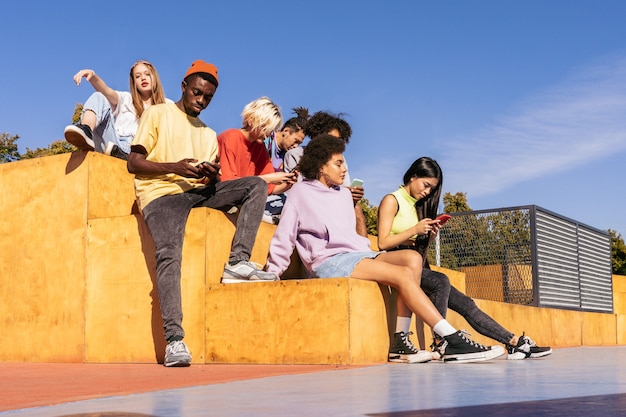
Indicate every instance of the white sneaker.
{"type": "Point", "coordinates": [246, 271]}
{"type": "Point", "coordinates": [177, 354]}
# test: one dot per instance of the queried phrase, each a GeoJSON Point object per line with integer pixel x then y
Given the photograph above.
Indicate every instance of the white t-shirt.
{"type": "Point", "coordinates": [126, 120]}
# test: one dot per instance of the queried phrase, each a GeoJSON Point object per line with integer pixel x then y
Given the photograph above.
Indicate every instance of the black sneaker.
{"type": "Point", "coordinates": [80, 136]}
{"type": "Point", "coordinates": [458, 347]}
{"type": "Point", "coordinates": [115, 151]}
{"type": "Point", "coordinates": [526, 348]}
{"type": "Point", "coordinates": [404, 351]}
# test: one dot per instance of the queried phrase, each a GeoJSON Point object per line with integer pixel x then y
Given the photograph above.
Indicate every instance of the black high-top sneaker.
{"type": "Point", "coordinates": [404, 351]}
{"type": "Point", "coordinates": [460, 348]}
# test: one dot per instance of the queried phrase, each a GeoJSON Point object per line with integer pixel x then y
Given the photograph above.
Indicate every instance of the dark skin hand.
{"type": "Point", "coordinates": [188, 167]}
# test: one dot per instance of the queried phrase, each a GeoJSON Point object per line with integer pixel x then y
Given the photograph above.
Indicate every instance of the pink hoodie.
{"type": "Point", "coordinates": [319, 221]}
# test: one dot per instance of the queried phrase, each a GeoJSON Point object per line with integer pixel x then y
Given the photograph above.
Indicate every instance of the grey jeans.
{"type": "Point", "coordinates": [443, 295]}
{"type": "Point", "coordinates": [166, 218]}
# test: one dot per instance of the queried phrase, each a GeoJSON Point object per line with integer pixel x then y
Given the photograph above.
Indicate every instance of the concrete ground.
{"type": "Point", "coordinates": [586, 381]}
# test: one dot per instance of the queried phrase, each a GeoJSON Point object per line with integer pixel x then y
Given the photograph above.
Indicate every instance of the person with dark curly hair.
{"type": "Point", "coordinates": [335, 125]}
{"type": "Point", "coordinates": [319, 221]}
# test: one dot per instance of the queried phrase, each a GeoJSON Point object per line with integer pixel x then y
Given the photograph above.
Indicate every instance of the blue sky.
{"type": "Point", "coordinates": [521, 102]}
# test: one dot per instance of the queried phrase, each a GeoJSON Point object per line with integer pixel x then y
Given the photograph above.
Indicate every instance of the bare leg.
{"type": "Point", "coordinates": [396, 269]}
{"type": "Point", "coordinates": [89, 118]}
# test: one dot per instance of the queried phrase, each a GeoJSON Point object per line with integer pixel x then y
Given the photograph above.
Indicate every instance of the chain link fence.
{"type": "Point", "coordinates": [506, 257]}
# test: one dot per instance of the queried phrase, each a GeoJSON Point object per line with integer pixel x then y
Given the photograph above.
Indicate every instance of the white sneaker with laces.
{"type": "Point", "coordinates": [246, 271]}
{"type": "Point", "coordinates": [177, 354]}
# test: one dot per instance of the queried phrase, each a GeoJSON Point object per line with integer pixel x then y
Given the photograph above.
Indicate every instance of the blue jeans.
{"type": "Point", "coordinates": [166, 218]}
{"type": "Point", "coordinates": [342, 264]}
{"type": "Point", "coordinates": [105, 124]}
{"type": "Point", "coordinates": [443, 295]}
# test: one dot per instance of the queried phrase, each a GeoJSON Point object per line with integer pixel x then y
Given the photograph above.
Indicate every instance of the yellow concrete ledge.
{"type": "Point", "coordinates": [77, 276]}
{"type": "Point", "coordinates": [311, 321]}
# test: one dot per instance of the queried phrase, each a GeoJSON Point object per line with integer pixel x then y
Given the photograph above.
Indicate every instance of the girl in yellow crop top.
{"type": "Point", "coordinates": [406, 215]}
{"type": "Point", "coordinates": [405, 221]}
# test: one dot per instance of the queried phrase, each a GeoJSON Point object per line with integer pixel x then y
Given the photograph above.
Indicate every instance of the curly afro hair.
{"type": "Point", "coordinates": [319, 151]}
{"type": "Point", "coordinates": [323, 122]}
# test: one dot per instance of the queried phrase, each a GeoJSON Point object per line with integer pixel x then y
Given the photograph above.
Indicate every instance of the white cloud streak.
{"type": "Point", "coordinates": [580, 120]}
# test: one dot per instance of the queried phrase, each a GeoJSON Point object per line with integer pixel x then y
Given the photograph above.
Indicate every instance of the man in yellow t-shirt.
{"type": "Point", "coordinates": [174, 157]}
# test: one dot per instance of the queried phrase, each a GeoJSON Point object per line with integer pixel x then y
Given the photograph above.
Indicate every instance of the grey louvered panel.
{"type": "Point", "coordinates": [557, 264]}
{"type": "Point", "coordinates": [596, 284]}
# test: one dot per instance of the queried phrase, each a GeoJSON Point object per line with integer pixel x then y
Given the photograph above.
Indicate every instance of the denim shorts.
{"type": "Point", "coordinates": [342, 265]}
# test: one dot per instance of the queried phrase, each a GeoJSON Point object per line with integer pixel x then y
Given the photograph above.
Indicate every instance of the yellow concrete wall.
{"type": "Point", "coordinates": [43, 259]}
{"type": "Point", "coordinates": [339, 321]}
{"type": "Point", "coordinates": [77, 277]}
{"type": "Point", "coordinates": [619, 294]}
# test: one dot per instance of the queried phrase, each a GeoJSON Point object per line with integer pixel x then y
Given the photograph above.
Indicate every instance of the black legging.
{"type": "Point", "coordinates": [443, 295]}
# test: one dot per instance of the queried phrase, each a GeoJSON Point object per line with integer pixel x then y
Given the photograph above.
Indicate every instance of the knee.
{"type": "Point", "coordinates": [256, 185]}
{"type": "Point", "coordinates": [409, 277]}
{"type": "Point", "coordinates": [414, 261]}
{"type": "Point", "coordinates": [443, 281]}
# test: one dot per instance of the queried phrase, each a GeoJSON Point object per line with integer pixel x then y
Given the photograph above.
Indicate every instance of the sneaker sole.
{"type": "Point", "coordinates": [415, 358]}
{"type": "Point", "coordinates": [517, 356]}
{"type": "Point", "coordinates": [540, 354]}
{"type": "Point", "coordinates": [475, 357]}
{"type": "Point", "coordinates": [239, 280]}
{"type": "Point", "coordinates": [230, 278]}
{"type": "Point", "coordinates": [77, 139]}
{"type": "Point", "coordinates": [178, 364]}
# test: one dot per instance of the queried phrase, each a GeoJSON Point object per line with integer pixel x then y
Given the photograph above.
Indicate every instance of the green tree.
{"type": "Point", "coordinates": [8, 148]}
{"type": "Point", "coordinates": [55, 148]}
{"type": "Point", "coordinates": [455, 203]}
{"type": "Point", "coordinates": [78, 110]}
{"type": "Point", "coordinates": [371, 216]}
{"type": "Point", "coordinates": [618, 253]}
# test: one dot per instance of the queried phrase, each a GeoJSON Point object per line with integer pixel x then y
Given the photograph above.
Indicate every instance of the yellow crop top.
{"type": "Point", "coordinates": [406, 216]}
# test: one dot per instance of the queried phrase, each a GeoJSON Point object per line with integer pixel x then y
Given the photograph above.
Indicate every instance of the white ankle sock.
{"type": "Point", "coordinates": [403, 324]}
{"type": "Point", "coordinates": [443, 328]}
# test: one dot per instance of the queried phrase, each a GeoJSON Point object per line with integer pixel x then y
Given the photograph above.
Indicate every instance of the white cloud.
{"type": "Point", "coordinates": [580, 120]}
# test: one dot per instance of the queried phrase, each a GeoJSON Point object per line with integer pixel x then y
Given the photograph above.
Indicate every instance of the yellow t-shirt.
{"type": "Point", "coordinates": [169, 135]}
{"type": "Point", "coordinates": [406, 216]}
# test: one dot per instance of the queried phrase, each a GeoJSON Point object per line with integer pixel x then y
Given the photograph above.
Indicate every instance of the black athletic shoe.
{"type": "Point", "coordinates": [458, 347]}
{"type": "Point", "coordinates": [404, 351]}
{"type": "Point", "coordinates": [80, 136]}
{"type": "Point", "coordinates": [114, 150]}
{"type": "Point", "coordinates": [526, 348]}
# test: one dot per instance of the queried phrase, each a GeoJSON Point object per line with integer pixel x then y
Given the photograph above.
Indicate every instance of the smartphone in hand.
{"type": "Point", "coordinates": [356, 183]}
{"type": "Point", "coordinates": [443, 218]}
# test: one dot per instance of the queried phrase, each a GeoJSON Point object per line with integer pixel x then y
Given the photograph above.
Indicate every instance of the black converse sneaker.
{"type": "Point", "coordinates": [80, 136]}
{"type": "Point", "coordinates": [526, 348]}
{"type": "Point", "coordinates": [457, 347]}
{"type": "Point", "coordinates": [402, 350]}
